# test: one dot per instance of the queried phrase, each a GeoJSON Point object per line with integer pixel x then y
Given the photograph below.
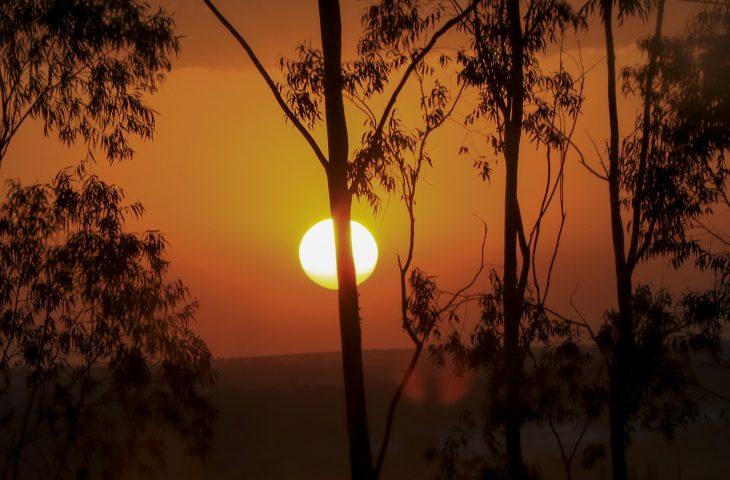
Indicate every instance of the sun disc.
{"type": "Point", "coordinates": [318, 259]}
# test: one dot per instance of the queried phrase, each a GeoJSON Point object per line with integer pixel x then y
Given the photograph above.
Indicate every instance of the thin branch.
{"type": "Point", "coordinates": [272, 86]}
{"type": "Point", "coordinates": [474, 279]}
{"type": "Point", "coordinates": [582, 160]}
{"type": "Point", "coordinates": [636, 201]}
{"type": "Point", "coordinates": [713, 233]}
{"type": "Point", "coordinates": [415, 62]}
{"type": "Point", "coordinates": [409, 178]}
{"type": "Point", "coordinates": [393, 407]}
{"type": "Point", "coordinates": [358, 102]}
{"type": "Point", "coordinates": [598, 153]}
{"type": "Point", "coordinates": [525, 252]}
{"type": "Point", "coordinates": [712, 392]}
{"type": "Point", "coordinates": [708, 2]}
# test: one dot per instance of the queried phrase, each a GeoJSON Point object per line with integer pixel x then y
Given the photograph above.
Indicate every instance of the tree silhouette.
{"type": "Point", "coordinates": [423, 307]}
{"type": "Point", "coordinates": [98, 360]}
{"type": "Point", "coordinates": [408, 31]}
{"type": "Point", "coordinates": [82, 68]}
{"type": "Point", "coordinates": [515, 97]}
{"type": "Point", "coordinates": [96, 349]}
{"type": "Point", "coordinates": [665, 176]}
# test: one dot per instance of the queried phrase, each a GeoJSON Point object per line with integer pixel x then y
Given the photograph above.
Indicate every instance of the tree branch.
{"type": "Point", "coordinates": [272, 86]}
{"type": "Point", "coordinates": [414, 63]}
{"type": "Point", "coordinates": [636, 202]}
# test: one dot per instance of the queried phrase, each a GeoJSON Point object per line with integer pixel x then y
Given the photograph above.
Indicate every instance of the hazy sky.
{"type": "Point", "coordinates": [234, 188]}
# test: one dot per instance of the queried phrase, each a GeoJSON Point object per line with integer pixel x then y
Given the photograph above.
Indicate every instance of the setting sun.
{"type": "Point", "coordinates": [317, 253]}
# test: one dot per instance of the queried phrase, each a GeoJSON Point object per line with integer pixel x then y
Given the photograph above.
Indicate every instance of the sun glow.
{"type": "Point", "coordinates": [317, 253]}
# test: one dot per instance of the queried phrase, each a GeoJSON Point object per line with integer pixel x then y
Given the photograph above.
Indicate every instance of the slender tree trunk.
{"type": "Point", "coordinates": [624, 330]}
{"type": "Point", "coordinates": [512, 303]}
{"type": "Point", "coordinates": [340, 203]}
{"type": "Point", "coordinates": [646, 134]}
{"type": "Point", "coordinates": [624, 264]}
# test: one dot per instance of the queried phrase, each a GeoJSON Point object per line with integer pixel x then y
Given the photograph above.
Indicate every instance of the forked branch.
{"type": "Point", "coordinates": [417, 59]}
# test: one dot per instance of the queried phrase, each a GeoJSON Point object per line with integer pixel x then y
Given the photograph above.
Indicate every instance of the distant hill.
{"type": "Point", "coordinates": [282, 417]}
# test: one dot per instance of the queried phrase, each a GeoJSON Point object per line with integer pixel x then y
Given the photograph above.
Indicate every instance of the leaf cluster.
{"type": "Point", "coordinates": [673, 168]}
{"type": "Point", "coordinates": [394, 35]}
{"type": "Point", "coordinates": [670, 334]}
{"type": "Point", "coordinates": [487, 67]}
{"type": "Point", "coordinates": [82, 68]}
{"type": "Point", "coordinates": [97, 349]}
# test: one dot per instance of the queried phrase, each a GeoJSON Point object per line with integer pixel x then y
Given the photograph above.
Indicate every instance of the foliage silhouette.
{"type": "Point", "coordinates": [98, 360]}
{"type": "Point", "coordinates": [666, 176]}
{"type": "Point", "coordinates": [82, 68]}
{"type": "Point", "coordinates": [515, 97]}
{"type": "Point", "coordinates": [422, 305]}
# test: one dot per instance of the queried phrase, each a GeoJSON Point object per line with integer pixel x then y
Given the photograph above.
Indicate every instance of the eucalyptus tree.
{"type": "Point", "coordinates": [423, 306]}
{"type": "Point", "coordinates": [516, 99]}
{"type": "Point", "coordinates": [397, 37]}
{"type": "Point", "coordinates": [82, 69]}
{"type": "Point", "coordinates": [98, 360]}
{"type": "Point", "coordinates": [665, 177]}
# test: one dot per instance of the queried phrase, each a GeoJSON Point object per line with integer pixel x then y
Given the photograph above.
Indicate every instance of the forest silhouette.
{"type": "Point", "coordinates": [105, 373]}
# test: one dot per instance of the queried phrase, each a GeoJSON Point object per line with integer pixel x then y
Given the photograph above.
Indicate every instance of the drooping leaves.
{"type": "Point", "coordinates": [83, 68]}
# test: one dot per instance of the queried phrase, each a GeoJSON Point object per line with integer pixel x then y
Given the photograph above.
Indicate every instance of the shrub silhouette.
{"type": "Point", "coordinates": [98, 361]}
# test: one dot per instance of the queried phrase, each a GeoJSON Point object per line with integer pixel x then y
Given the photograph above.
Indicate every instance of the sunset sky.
{"type": "Point", "coordinates": [234, 188]}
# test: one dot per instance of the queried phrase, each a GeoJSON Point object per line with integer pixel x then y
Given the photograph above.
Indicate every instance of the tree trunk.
{"type": "Point", "coordinates": [340, 202]}
{"type": "Point", "coordinates": [512, 303]}
{"type": "Point", "coordinates": [624, 329]}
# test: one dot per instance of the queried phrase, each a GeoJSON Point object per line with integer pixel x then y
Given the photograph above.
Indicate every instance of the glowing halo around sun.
{"type": "Point", "coordinates": [317, 253]}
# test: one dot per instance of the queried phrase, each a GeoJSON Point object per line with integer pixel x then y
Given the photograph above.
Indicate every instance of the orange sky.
{"type": "Point", "coordinates": [234, 188]}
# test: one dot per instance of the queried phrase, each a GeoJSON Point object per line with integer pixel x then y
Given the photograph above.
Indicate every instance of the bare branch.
{"type": "Point", "coordinates": [473, 280]}
{"type": "Point", "coordinates": [713, 233]}
{"type": "Point", "coordinates": [393, 407]}
{"type": "Point", "coordinates": [272, 86]}
{"type": "Point", "coordinates": [582, 160]}
{"type": "Point", "coordinates": [600, 157]}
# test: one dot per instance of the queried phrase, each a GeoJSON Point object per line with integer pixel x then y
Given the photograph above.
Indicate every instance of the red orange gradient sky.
{"type": "Point", "coordinates": [234, 188]}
